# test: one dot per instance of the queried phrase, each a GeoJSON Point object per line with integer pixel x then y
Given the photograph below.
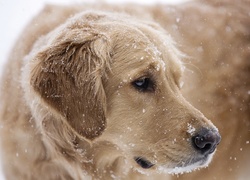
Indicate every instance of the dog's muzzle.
{"type": "Point", "coordinates": [206, 141]}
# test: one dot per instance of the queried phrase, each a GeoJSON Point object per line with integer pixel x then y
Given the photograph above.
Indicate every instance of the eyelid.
{"type": "Point", "coordinates": [148, 87]}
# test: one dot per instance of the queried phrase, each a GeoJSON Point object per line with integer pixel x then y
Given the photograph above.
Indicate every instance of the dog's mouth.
{"type": "Point", "coordinates": [144, 163]}
{"type": "Point", "coordinates": [187, 166]}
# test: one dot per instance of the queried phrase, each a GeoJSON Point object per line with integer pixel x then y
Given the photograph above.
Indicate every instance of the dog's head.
{"type": "Point", "coordinates": [118, 79]}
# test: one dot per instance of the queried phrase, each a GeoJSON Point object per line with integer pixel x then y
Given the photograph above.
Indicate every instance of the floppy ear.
{"type": "Point", "coordinates": [69, 74]}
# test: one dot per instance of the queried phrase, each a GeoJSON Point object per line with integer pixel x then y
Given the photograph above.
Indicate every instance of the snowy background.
{"type": "Point", "coordinates": [15, 14]}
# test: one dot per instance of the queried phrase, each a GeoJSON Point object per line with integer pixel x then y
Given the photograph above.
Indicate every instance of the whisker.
{"type": "Point", "coordinates": [195, 68]}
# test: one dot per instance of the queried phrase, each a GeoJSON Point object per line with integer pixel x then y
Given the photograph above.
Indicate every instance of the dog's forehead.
{"type": "Point", "coordinates": [137, 53]}
{"type": "Point", "coordinates": [140, 49]}
{"type": "Point", "coordinates": [135, 43]}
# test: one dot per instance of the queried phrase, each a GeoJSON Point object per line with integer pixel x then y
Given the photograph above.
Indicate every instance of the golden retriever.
{"type": "Point", "coordinates": [97, 95]}
{"type": "Point", "coordinates": [216, 34]}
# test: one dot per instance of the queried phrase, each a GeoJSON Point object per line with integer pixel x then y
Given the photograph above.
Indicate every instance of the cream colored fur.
{"type": "Point", "coordinates": [69, 109]}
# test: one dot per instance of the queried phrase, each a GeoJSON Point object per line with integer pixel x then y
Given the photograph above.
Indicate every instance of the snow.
{"type": "Point", "coordinates": [15, 14]}
{"type": "Point", "coordinates": [178, 20]}
{"type": "Point", "coordinates": [186, 169]}
{"type": "Point", "coordinates": [190, 129]}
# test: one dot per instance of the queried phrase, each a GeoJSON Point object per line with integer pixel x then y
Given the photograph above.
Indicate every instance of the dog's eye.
{"type": "Point", "coordinates": [144, 84]}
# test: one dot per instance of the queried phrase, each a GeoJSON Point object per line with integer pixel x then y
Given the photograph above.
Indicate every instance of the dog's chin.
{"type": "Point", "coordinates": [194, 164]}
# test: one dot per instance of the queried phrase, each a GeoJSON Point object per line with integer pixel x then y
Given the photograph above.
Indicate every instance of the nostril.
{"type": "Point", "coordinates": [202, 144]}
{"type": "Point", "coordinates": [206, 141]}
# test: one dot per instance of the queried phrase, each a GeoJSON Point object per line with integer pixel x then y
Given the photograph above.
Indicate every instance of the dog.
{"type": "Point", "coordinates": [216, 36]}
{"type": "Point", "coordinates": [98, 95]}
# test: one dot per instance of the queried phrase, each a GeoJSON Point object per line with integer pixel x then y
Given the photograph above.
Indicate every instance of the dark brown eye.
{"type": "Point", "coordinates": [144, 84]}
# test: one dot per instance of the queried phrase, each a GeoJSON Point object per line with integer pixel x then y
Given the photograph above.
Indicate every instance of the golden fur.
{"type": "Point", "coordinates": [69, 109]}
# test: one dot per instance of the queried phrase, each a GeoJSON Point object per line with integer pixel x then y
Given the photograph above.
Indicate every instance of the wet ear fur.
{"type": "Point", "coordinates": [68, 75]}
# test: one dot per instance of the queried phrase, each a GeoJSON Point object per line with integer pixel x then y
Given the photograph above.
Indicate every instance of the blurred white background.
{"type": "Point", "coordinates": [15, 14]}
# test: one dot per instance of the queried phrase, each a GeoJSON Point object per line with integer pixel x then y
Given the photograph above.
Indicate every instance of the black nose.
{"type": "Point", "coordinates": [206, 141]}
